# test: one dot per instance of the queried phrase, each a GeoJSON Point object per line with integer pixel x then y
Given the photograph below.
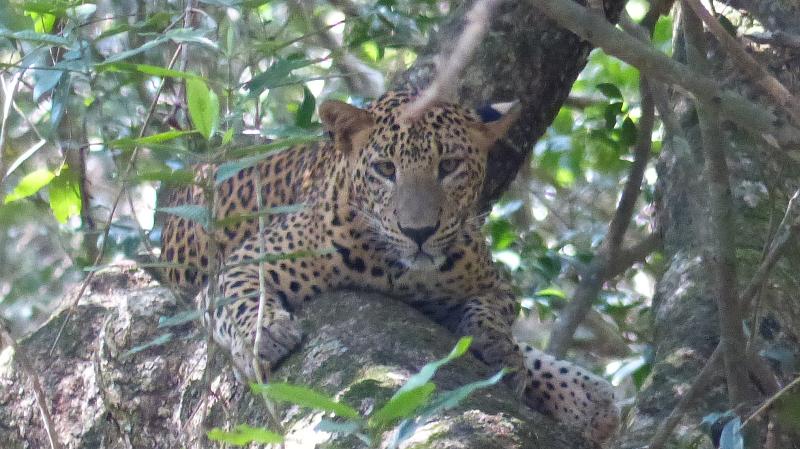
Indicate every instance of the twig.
{"type": "Point", "coordinates": [658, 67]}
{"type": "Point", "coordinates": [788, 231]}
{"type": "Point", "coordinates": [700, 384]}
{"type": "Point", "coordinates": [745, 62]}
{"type": "Point", "coordinates": [722, 242]}
{"type": "Point", "coordinates": [598, 269]}
{"type": "Point", "coordinates": [115, 204]}
{"type": "Point", "coordinates": [477, 21]}
{"type": "Point", "coordinates": [771, 400]}
{"type": "Point", "coordinates": [38, 392]}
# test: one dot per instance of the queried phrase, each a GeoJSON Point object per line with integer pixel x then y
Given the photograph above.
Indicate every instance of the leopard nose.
{"type": "Point", "coordinates": [419, 235]}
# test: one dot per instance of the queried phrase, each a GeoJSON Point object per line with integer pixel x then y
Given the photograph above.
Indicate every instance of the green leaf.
{"type": "Point", "coordinates": [231, 168]}
{"type": "Point", "coordinates": [193, 212]}
{"type": "Point", "coordinates": [452, 398]}
{"type": "Point", "coordinates": [731, 437]}
{"type": "Point", "coordinates": [33, 36]}
{"type": "Point", "coordinates": [503, 234]}
{"type": "Point", "coordinates": [129, 142]}
{"type": "Point", "coordinates": [65, 195]}
{"type": "Point", "coordinates": [553, 292]}
{"type": "Point", "coordinates": [277, 74]}
{"type": "Point", "coordinates": [203, 106]}
{"type": "Point", "coordinates": [627, 134]}
{"type": "Point", "coordinates": [306, 111]}
{"type": "Point", "coordinates": [563, 122]}
{"type": "Point", "coordinates": [428, 371]}
{"type": "Point", "coordinates": [238, 218]}
{"type": "Point", "coordinates": [244, 434]}
{"type": "Point", "coordinates": [166, 175]}
{"type": "Point", "coordinates": [30, 184]}
{"type": "Point", "coordinates": [609, 90]}
{"type": "Point", "coordinates": [180, 318]}
{"type": "Point", "coordinates": [146, 69]}
{"type": "Point", "coordinates": [402, 405]}
{"type": "Point", "coordinates": [304, 397]}
{"type": "Point", "coordinates": [158, 341]}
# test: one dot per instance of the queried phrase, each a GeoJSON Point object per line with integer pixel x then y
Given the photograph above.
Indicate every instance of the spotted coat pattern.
{"type": "Point", "coordinates": [390, 206]}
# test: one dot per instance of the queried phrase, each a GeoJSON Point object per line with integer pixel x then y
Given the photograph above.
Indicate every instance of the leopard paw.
{"type": "Point", "coordinates": [280, 335]}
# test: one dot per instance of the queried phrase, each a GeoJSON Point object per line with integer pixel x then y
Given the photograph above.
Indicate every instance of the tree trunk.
{"type": "Point", "coordinates": [686, 325]}
{"type": "Point", "coordinates": [359, 348]}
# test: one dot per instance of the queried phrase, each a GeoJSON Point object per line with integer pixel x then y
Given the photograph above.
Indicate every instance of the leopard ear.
{"type": "Point", "coordinates": [485, 135]}
{"type": "Point", "coordinates": [344, 122]}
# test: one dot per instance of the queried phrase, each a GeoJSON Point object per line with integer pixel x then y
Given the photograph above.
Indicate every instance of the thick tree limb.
{"type": "Point", "coordinates": [722, 248]}
{"type": "Point", "coordinates": [359, 348]}
{"type": "Point", "coordinates": [754, 70]}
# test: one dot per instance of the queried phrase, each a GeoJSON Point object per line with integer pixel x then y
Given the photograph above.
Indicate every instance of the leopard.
{"type": "Point", "coordinates": [389, 204]}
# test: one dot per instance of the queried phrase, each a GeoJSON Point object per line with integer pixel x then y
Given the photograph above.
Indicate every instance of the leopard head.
{"type": "Point", "coordinates": [413, 185]}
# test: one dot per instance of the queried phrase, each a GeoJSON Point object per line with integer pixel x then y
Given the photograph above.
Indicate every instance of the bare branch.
{"type": "Point", "coordinates": [722, 247]}
{"type": "Point", "coordinates": [599, 267]}
{"type": "Point", "coordinates": [443, 85]}
{"type": "Point", "coordinates": [637, 252]}
{"type": "Point", "coordinates": [38, 392]}
{"type": "Point", "coordinates": [771, 401]}
{"type": "Point", "coordinates": [658, 67]}
{"type": "Point", "coordinates": [788, 231]}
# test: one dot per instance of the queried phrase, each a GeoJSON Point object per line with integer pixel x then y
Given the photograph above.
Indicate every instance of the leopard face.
{"type": "Point", "coordinates": [415, 184]}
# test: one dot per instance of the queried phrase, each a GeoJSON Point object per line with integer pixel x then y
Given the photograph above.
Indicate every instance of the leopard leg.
{"type": "Point", "coordinates": [565, 391]}
{"type": "Point", "coordinates": [235, 322]}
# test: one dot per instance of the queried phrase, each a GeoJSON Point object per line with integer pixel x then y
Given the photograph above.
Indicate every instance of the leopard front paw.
{"type": "Point", "coordinates": [280, 334]}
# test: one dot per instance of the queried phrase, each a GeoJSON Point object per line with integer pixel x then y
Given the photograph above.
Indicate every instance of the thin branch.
{"type": "Point", "coordinates": [637, 252]}
{"type": "Point", "coordinates": [756, 71]}
{"type": "Point", "coordinates": [780, 38]}
{"type": "Point", "coordinates": [722, 241]}
{"type": "Point", "coordinates": [38, 392]}
{"type": "Point", "coordinates": [701, 383]}
{"type": "Point", "coordinates": [477, 21]}
{"type": "Point", "coordinates": [771, 401]}
{"type": "Point", "coordinates": [658, 67]}
{"type": "Point", "coordinates": [788, 232]}
{"type": "Point", "coordinates": [598, 269]}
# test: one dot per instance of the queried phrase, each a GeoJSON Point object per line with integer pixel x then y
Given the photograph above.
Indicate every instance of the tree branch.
{"type": "Point", "coordinates": [756, 71]}
{"type": "Point", "coordinates": [659, 67]}
{"type": "Point", "coordinates": [600, 267]}
{"type": "Point", "coordinates": [722, 257]}
{"type": "Point", "coordinates": [449, 69]}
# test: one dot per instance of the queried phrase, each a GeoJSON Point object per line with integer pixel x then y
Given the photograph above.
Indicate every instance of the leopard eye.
{"type": "Point", "coordinates": [385, 169]}
{"type": "Point", "coordinates": [448, 166]}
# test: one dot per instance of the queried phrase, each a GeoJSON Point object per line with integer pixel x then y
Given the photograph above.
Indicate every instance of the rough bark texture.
{"type": "Point", "coordinates": [684, 312]}
{"type": "Point", "coordinates": [359, 348]}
